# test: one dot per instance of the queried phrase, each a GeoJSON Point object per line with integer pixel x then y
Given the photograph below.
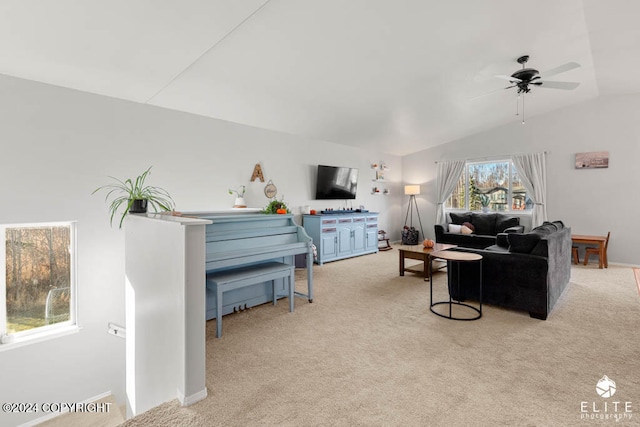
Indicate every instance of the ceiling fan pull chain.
{"type": "Point", "coordinates": [522, 108]}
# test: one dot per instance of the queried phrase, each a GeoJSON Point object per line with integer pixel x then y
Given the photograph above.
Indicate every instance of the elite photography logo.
{"type": "Point", "coordinates": [606, 387]}
{"type": "Point", "coordinates": [604, 408]}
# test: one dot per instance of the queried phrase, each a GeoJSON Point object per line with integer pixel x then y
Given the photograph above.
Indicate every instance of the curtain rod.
{"type": "Point", "coordinates": [481, 159]}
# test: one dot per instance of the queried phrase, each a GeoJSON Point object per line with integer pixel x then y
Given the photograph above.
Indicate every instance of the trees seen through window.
{"type": "Point", "coordinates": [498, 180]}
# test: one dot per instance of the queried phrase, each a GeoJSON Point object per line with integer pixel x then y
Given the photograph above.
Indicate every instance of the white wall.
{"type": "Point", "coordinates": [165, 308]}
{"type": "Point", "coordinates": [589, 201]}
{"type": "Point", "coordinates": [58, 145]}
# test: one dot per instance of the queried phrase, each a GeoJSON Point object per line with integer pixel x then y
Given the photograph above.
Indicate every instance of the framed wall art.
{"type": "Point", "coordinates": [592, 160]}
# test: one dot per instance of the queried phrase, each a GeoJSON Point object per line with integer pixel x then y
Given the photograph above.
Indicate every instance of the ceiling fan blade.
{"type": "Point", "coordinates": [558, 85]}
{"type": "Point", "coordinates": [493, 91]}
{"type": "Point", "coordinates": [511, 79]}
{"type": "Point", "coordinates": [561, 69]}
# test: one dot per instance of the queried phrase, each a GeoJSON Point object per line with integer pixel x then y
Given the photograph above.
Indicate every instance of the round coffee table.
{"type": "Point", "coordinates": [456, 258]}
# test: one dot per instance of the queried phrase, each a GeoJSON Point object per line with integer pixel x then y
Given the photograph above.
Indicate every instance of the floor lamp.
{"type": "Point", "coordinates": [412, 191]}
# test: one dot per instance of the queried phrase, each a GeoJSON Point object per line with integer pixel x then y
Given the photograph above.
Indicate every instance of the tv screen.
{"type": "Point", "coordinates": [335, 182]}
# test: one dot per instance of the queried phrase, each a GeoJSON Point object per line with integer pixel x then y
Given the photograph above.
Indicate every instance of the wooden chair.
{"type": "Point", "coordinates": [574, 253]}
{"type": "Point", "coordinates": [382, 237]}
{"type": "Point", "coordinates": [594, 251]}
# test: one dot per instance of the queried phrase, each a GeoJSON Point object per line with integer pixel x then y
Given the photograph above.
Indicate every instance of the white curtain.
{"type": "Point", "coordinates": [532, 169]}
{"type": "Point", "coordinates": [447, 179]}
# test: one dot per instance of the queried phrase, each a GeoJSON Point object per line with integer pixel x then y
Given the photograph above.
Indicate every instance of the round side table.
{"type": "Point", "coordinates": [456, 258]}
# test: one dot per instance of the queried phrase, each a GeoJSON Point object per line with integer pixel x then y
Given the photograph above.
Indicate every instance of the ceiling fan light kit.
{"type": "Point", "coordinates": [525, 77]}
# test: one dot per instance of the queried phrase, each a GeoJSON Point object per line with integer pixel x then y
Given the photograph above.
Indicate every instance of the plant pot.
{"type": "Point", "coordinates": [240, 203]}
{"type": "Point", "coordinates": [485, 209]}
{"type": "Point", "coordinates": [139, 206]}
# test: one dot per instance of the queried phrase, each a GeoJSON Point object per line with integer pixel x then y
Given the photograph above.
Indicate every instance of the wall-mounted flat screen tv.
{"type": "Point", "coordinates": [336, 182]}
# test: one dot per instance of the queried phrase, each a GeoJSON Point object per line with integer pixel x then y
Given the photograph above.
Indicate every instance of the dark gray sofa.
{"type": "Point", "coordinates": [529, 274]}
{"type": "Point", "coordinates": [487, 226]}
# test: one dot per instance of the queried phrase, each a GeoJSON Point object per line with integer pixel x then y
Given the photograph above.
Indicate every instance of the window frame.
{"type": "Point", "coordinates": [465, 175]}
{"type": "Point", "coordinates": [46, 331]}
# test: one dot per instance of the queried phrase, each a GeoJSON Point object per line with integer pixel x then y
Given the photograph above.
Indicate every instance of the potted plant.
{"type": "Point", "coordinates": [239, 203]}
{"type": "Point", "coordinates": [135, 196]}
{"type": "Point", "coordinates": [276, 207]}
{"type": "Point", "coordinates": [485, 201]}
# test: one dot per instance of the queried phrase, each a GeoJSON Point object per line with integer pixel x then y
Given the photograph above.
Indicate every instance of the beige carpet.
{"type": "Point", "coordinates": [368, 352]}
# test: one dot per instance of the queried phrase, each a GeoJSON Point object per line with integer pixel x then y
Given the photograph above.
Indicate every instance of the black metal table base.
{"type": "Point", "coordinates": [451, 302]}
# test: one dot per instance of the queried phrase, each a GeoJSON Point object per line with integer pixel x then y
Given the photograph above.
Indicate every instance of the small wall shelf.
{"type": "Point", "coordinates": [380, 169]}
{"type": "Point", "coordinates": [376, 190]}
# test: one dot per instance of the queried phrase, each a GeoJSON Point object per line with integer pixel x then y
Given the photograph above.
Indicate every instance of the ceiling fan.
{"type": "Point", "coordinates": [525, 78]}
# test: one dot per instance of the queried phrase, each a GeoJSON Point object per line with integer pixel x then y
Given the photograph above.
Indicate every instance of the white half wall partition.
{"type": "Point", "coordinates": [165, 310]}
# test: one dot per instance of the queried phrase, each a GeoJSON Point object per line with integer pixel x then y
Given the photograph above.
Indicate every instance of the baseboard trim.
{"type": "Point", "coordinates": [64, 411]}
{"type": "Point", "coordinates": [193, 398]}
{"type": "Point", "coordinates": [621, 264]}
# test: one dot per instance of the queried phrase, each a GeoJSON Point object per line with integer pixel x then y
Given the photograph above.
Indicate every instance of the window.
{"type": "Point", "coordinates": [38, 286]}
{"type": "Point", "coordinates": [497, 182]}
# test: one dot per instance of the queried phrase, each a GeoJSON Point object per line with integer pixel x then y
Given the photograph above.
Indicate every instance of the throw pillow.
{"type": "Point", "coordinates": [469, 226]}
{"type": "Point", "coordinates": [522, 243]}
{"type": "Point", "coordinates": [503, 222]}
{"type": "Point", "coordinates": [455, 228]}
{"type": "Point", "coordinates": [465, 230]}
{"type": "Point", "coordinates": [485, 224]}
{"type": "Point", "coordinates": [460, 218]}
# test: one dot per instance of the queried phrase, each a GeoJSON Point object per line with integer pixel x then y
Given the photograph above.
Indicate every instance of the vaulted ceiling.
{"type": "Point", "coordinates": [391, 75]}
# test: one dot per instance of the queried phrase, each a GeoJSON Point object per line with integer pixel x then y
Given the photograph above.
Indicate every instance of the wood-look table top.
{"type": "Point", "coordinates": [456, 256]}
{"type": "Point", "coordinates": [422, 250]}
{"type": "Point", "coordinates": [584, 238]}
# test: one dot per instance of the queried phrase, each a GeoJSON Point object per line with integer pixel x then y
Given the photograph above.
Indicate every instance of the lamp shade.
{"type": "Point", "coordinates": [411, 190]}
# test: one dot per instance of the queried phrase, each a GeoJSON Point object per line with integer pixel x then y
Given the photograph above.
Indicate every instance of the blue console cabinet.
{"type": "Point", "coordinates": [343, 235]}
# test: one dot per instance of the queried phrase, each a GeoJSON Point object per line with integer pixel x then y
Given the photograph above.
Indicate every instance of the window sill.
{"type": "Point", "coordinates": [18, 342]}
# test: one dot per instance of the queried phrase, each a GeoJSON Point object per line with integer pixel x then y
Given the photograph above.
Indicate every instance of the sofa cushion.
{"type": "Point", "coordinates": [496, 248]}
{"type": "Point", "coordinates": [503, 222]}
{"type": "Point", "coordinates": [485, 224]}
{"type": "Point", "coordinates": [460, 218]}
{"type": "Point", "coordinates": [523, 243]}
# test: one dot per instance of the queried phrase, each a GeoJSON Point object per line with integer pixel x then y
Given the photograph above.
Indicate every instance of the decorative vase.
{"type": "Point", "coordinates": [139, 206]}
{"type": "Point", "coordinates": [240, 203]}
{"type": "Point", "coordinates": [485, 209]}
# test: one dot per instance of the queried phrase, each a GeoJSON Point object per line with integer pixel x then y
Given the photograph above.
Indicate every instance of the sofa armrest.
{"type": "Point", "coordinates": [514, 229]}
{"type": "Point", "coordinates": [502, 240]}
{"type": "Point", "coordinates": [440, 229]}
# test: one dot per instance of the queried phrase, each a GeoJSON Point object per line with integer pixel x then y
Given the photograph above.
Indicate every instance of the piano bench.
{"type": "Point", "coordinates": [247, 276]}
